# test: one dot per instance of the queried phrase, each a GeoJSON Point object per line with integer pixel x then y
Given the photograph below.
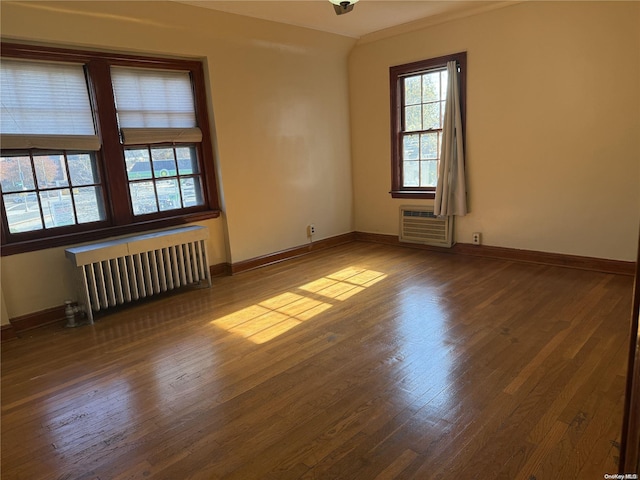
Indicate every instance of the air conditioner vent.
{"type": "Point", "coordinates": [420, 225]}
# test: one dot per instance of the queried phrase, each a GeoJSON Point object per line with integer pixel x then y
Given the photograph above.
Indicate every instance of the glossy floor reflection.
{"type": "Point", "coordinates": [360, 362]}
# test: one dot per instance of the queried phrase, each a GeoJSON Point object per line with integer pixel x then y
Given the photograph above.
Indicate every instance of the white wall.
{"type": "Point", "coordinates": [553, 126]}
{"type": "Point", "coordinates": [280, 99]}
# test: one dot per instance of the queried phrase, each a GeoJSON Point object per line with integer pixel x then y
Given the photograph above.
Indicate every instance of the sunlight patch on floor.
{"type": "Point", "coordinates": [344, 284]}
{"type": "Point", "coordinates": [270, 318]}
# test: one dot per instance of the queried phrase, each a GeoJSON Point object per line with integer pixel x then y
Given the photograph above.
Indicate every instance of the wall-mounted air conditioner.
{"type": "Point", "coordinates": [420, 225]}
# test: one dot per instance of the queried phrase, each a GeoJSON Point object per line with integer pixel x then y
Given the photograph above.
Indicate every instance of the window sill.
{"type": "Point", "coordinates": [81, 237]}
{"type": "Point", "coordinates": [425, 195]}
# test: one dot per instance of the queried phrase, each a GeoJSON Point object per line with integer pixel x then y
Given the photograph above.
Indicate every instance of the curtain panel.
{"type": "Point", "coordinates": [451, 192]}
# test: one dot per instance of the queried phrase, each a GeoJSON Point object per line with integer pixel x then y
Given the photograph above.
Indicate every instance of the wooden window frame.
{"type": "Point", "coordinates": [120, 219]}
{"type": "Point", "coordinates": [396, 75]}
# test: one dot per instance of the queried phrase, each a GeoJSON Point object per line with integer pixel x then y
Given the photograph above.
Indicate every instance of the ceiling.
{"type": "Point", "coordinates": [369, 17]}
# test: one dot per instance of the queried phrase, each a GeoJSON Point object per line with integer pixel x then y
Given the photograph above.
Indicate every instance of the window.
{"type": "Point", "coordinates": [47, 105]}
{"type": "Point", "coordinates": [156, 106]}
{"type": "Point", "coordinates": [418, 99]}
{"type": "Point", "coordinates": [95, 145]}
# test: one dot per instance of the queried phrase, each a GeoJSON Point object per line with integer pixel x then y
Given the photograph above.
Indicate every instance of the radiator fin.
{"type": "Point", "coordinates": [120, 271]}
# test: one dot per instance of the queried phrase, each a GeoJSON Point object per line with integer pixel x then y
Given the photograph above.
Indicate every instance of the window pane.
{"type": "Point", "coordinates": [164, 164]}
{"type": "Point", "coordinates": [168, 194]}
{"type": "Point", "coordinates": [410, 147]}
{"type": "Point", "coordinates": [413, 118]}
{"type": "Point", "coordinates": [431, 115]}
{"type": "Point", "coordinates": [57, 208]}
{"type": "Point", "coordinates": [411, 174]}
{"type": "Point", "coordinates": [89, 206]}
{"type": "Point", "coordinates": [16, 174]}
{"type": "Point", "coordinates": [412, 90]}
{"type": "Point", "coordinates": [138, 163]}
{"type": "Point", "coordinates": [429, 146]}
{"type": "Point", "coordinates": [82, 169]}
{"type": "Point", "coordinates": [444, 82]}
{"type": "Point", "coordinates": [187, 160]}
{"type": "Point", "coordinates": [44, 98]}
{"type": "Point", "coordinates": [431, 87]}
{"type": "Point", "coordinates": [49, 171]}
{"type": "Point", "coordinates": [428, 173]}
{"type": "Point", "coordinates": [162, 154]}
{"type": "Point", "coordinates": [143, 198]}
{"type": "Point", "coordinates": [148, 98]}
{"type": "Point", "coordinates": [23, 212]}
{"type": "Point", "coordinates": [191, 192]}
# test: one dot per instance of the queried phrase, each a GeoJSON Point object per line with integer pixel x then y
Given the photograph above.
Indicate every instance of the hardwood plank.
{"type": "Point", "coordinates": [398, 466]}
{"type": "Point", "coordinates": [358, 361]}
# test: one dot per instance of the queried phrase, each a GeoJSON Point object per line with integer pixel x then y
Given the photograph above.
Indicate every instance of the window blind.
{"type": "Point", "coordinates": [153, 98]}
{"type": "Point", "coordinates": [45, 105]}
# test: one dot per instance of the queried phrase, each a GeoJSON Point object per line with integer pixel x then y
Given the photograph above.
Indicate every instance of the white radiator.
{"type": "Point", "coordinates": [420, 225]}
{"type": "Point", "coordinates": [118, 271]}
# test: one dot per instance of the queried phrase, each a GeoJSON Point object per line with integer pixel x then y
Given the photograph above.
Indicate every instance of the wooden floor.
{"type": "Point", "coordinates": [359, 362]}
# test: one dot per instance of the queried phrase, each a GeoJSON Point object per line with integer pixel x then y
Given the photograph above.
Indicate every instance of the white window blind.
{"type": "Point", "coordinates": [153, 98]}
{"type": "Point", "coordinates": [154, 106]}
{"type": "Point", "coordinates": [45, 105]}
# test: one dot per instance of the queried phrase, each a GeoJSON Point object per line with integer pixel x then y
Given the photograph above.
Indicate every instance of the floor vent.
{"type": "Point", "coordinates": [420, 225]}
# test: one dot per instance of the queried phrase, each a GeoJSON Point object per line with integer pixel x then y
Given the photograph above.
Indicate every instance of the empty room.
{"type": "Point", "coordinates": [304, 239]}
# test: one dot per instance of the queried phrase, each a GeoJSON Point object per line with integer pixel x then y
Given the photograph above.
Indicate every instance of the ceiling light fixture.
{"type": "Point", "coordinates": [343, 6]}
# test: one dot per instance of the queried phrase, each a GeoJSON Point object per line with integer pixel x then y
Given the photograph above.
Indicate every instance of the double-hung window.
{"type": "Point", "coordinates": [94, 145]}
{"type": "Point", "coordinates": [418, 100]}
{"type": "Point", "coordinates": [153, 108]}
{"type": "Point", "coordinates": [50, 180]}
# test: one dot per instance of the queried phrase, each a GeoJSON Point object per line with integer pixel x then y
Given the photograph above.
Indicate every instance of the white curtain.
{"type": "Point", "coordinates": [451, 192]}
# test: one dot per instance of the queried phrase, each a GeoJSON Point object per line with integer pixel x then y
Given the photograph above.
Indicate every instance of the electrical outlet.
{"type": "Point", "coordinates": [476, 238]}
{"type": "Point", "coordinates": [311, 230]}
